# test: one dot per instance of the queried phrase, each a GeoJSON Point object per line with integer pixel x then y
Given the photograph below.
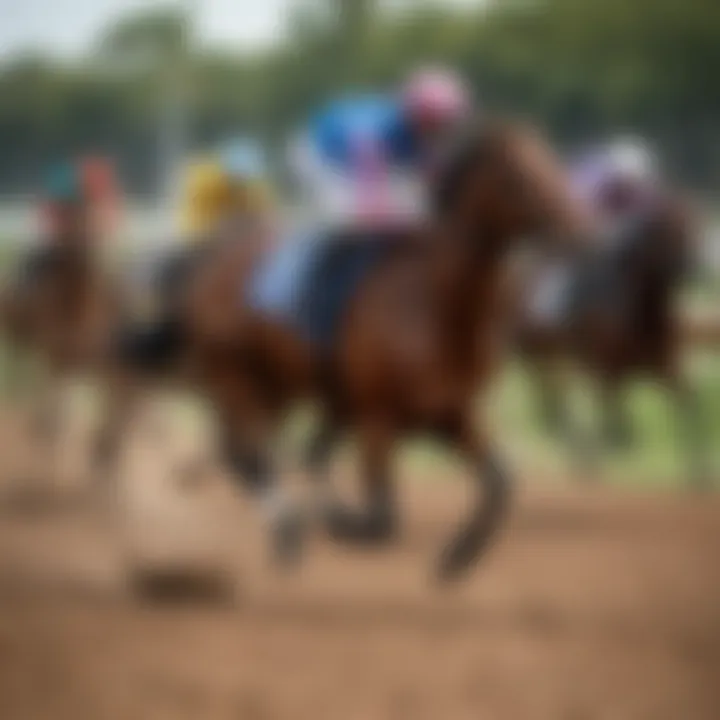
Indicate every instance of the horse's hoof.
{"type": "Point", "coordinates": [458, 559]}
{"type": "Point", "coordinates": [346, 526]}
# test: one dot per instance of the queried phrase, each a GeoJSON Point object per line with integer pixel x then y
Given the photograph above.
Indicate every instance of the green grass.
{"type": "Point", "coordinates": [657, 456]}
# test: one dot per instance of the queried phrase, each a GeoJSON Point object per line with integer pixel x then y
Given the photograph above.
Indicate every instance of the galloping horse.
{"type": "Point", "coordinates": [423, 330]}
{"type": "Point", "coordinates": [194, 291]}
{"type": "Point", "coordinates": [62, 307]}
{"type": "Point", "coordinates": [621, 318]}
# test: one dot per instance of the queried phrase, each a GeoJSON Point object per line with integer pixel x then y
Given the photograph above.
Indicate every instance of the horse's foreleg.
{"type": "Point", "coordinates": [246, 432]}
{"type": "Point", "coordinates": [316, 461]}
{"type": "Point", "coordinates": [48, 410]}
{"type": "Point", "coordinates": [252, 470]}
{"type": "Point", "coordinates": [47, 414]}
{"type": "Point", "coordinates": [14, 363]}
{"type": "Point", "coordinates": [122, 396]}
{"type": "Point", "coordinates": [493, 486]}
{"type": "Point", "coordinates": [378, 522]}
{"type": "Point", "coordinates": [558, 418]}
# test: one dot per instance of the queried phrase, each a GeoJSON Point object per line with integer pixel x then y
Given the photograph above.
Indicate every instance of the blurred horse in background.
{"type": "Point", "coordinates": [619, 319]}
{"type": "Point", "coordinates": [226, 204]}
{"type": "Point", "coordinates": [60, 308]}
{"type": "Point", "coordinates": [422, 329]}
{"type": "Point", "coordinates": [186, 318]}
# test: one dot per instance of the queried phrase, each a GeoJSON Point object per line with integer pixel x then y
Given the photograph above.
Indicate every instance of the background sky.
{"type": "Point", "coordinates": [67, 27]}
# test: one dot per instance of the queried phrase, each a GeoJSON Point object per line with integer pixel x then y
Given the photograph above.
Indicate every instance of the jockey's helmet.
{"type": "Point", "coordinates": [436, 96]}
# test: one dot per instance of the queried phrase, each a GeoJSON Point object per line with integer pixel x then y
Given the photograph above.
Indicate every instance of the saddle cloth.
{"type": "Point", "coordinates": [308, 282]}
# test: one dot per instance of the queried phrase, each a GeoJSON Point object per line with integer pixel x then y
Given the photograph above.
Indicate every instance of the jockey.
{"type": "Point", "coordinates": [65, 204]}
{"type": "Point", "coordinates": [363, 159]}
{"type": "Point", "coordinates": [632, 178]}
{"type": "Point", "coordinates": [253, 198]}
{"type": "Point", "coordinates": [66, 219]}
{"type": "Point", "coordinates": [617, 180]}
{"type": "Point", "coordinates": [244, 162]}
{"type": "Point", "coordinates": [103, 192]}
{"type": "Point", "coordinates": [229, 185]}
{"type": "Point", "coordinates": [223, 187]}
{"type": "Point", "coordinates": [207, 198]}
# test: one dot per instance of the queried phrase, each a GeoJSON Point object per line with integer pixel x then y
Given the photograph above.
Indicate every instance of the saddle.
{"type": "Point", "coordinates": [309, 283]}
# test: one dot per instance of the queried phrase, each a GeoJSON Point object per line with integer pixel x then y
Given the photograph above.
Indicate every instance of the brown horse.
{"type": "Point", "coordinates": [423, 332]}
{"type": "Point", "coordinates": [622, 321]}
{"type": "Point", "coordinates": [191, 337]}
{"type": "Point", "coordinates": [62, 308]}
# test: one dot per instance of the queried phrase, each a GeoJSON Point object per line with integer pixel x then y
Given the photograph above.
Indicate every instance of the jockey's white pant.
{"type": "Point", "coordinates": [340, 199]}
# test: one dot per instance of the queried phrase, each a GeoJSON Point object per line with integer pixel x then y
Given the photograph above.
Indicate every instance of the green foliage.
{"type": "Point", "coordinates": [580, 67]}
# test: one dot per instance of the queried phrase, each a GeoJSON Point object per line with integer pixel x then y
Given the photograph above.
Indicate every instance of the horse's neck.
{"type": "Point", "coordinates": [655, 298]}
{"type": "Point", "coordinates": [80, 270]}
{"type": "Point", "coordinates": [468, 285]}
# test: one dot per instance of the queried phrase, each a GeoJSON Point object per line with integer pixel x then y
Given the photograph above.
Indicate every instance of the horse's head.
{"type": "Point", "coordinates": [502, 182]}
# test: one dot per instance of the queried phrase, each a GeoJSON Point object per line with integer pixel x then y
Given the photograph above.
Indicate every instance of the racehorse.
{"type": "Point", "coordinates": [422, 332]}
{"type": "Point", "coordinates": [193, 322]}
{"type": "Point", "coordinates": [620, 321]}
{"type": "Point", "coordinates": [62, 307]}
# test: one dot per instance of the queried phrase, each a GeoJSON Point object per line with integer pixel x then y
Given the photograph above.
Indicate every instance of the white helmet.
{"type": "Point", "coordinates": [632, 159]}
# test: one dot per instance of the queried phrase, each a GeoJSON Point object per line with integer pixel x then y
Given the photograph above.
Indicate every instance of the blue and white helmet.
{"type": "Point", "coordinates": [243, 159]}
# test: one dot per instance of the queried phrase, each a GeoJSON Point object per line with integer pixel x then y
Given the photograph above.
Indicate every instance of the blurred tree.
{"type": "Point", "coordinates": [582, 68]}
{"type": "Point", "coordinates": [147, 40]}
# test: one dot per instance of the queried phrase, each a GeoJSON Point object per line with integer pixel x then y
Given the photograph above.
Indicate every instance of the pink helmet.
{"type": "Point", "coordinates": [436, 94]}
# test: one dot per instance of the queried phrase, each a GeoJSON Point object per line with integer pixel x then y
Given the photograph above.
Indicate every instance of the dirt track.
{"type": "Point", "coordinates": [594, 605]}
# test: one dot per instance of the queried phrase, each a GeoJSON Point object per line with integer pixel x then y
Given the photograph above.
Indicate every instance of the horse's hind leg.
{"type": "Point", "coordinates": [48, 412]}
{"type": "Point", "coordinates": [47, 415]}
{"type": "Point", "coordinates": [492, 485]}
{"type": "Point", "coordinates": [319, 449]}
{"type": "Point", "coordinates": [316, 461]}
{"type": "Point", "coordinates": [378, 523]}
{"type": "Point", "coordinates": [252, 469]}
{"type": "Point", "coordinates": [246, 431]}
{"type": "Point", "coordinates": [122, 395]}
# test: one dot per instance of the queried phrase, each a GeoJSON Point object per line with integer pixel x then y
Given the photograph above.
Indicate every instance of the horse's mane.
{"type": "Point", "coordinates": [456, 161]}
{"type": "Point", "coordinates": [471, 145]}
